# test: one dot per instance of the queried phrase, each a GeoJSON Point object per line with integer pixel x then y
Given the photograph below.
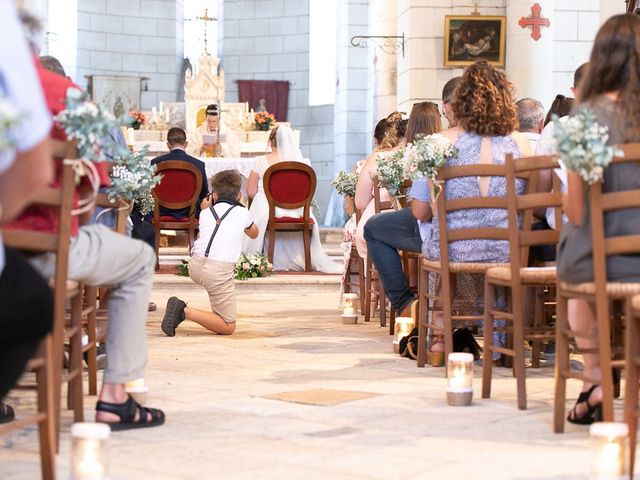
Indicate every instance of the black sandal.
{"type": "Point", "coordinates": [593, 413]}
{"type": "Point", "coordinates": [127, 413]}
{"type": "Point", "coordinates": [6, 413]}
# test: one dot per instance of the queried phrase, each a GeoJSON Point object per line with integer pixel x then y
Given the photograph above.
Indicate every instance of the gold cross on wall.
{"type": "Point", "coordinates": [205, 19]}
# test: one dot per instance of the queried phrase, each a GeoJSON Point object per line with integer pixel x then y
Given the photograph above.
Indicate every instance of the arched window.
{"type": "Point", "coordinates": [322, 52]}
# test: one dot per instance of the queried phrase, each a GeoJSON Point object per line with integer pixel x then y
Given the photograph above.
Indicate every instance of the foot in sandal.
{"type": "Point", "coordinates": [120, 411]}
{"type": "Point", "coordinates": [6, 413]}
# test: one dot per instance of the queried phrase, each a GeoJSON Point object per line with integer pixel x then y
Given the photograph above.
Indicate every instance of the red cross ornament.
{"type": "Point", "coordinates": [535, 21]}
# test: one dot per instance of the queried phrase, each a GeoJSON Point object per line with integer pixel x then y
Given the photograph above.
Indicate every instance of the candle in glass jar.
{"type": "Point", "coordinates": [402, 328]}
{"type": "Point", "coordinates": [89, 451]}
{"type": "Point", "coordinates": [349, 308]}
{"type": "Point", "coordinates": [460, 379]}
{"type": "Point", "coordinates": [608, 450]}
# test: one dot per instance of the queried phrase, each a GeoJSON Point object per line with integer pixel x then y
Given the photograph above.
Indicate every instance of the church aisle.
{"type": "Point", "coordinates": [228, 414]}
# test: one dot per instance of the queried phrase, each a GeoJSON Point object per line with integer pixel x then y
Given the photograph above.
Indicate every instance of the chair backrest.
{"type": "Point", "coordinates": [378, 203]}
{"type": "Point", "coordinates": [121, 207]}
{"type": "Point", "coordinates": [402, 193]}
{"type": "Point", "coordinates": [290, 185]}
{"type": "Point", "coordinates": [180, 185]}
{"type": "Point", "coordinates": [604, 202]}
{"type": "Point", "coordinates": [444, 207]}
{"type": "Point", "coordinates": [521, 208]}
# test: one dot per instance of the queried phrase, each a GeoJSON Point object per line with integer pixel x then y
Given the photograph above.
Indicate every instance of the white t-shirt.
{"type": "Point", "coordinates": [227, 244]}
{"type": "Point", "coordinates": [20, 85]}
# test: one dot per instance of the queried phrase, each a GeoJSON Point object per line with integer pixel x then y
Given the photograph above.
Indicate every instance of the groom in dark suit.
{"type": "Point", "coordinates": [177, 144]}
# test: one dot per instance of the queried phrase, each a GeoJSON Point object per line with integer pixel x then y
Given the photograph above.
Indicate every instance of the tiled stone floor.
{"type": "Point", "coordinates": [227, 416]}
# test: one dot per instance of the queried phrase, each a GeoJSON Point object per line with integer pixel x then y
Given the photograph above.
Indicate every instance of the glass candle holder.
{"type": "Point", "coordinates": [349, 308]}
{"type": "Point", "coordinates": [90, 451]}
{"type": "Point", "coordinates": [402, 328]}
{"type": "Point", "coordinates": [609, 450]}
{"type": "Point", "coordinates": [459, 379]}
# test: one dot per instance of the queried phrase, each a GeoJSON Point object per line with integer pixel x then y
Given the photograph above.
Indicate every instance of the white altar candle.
{"type": "Point", "coordinates": [161, 108]}
{"type": "Point", "coordinates": [154, 114]}
{"type": "Point", "coordinates": [131, 136]}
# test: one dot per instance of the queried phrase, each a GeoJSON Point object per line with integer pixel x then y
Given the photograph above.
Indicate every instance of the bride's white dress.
{"type": "Point", "coordinates": [289, 249]}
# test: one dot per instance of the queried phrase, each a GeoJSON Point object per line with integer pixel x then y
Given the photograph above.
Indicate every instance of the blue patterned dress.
{"type": "Point", "coordinates": [470, 287]}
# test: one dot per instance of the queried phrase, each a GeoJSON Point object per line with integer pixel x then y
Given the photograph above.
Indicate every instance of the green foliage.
{"type": "Point", "coordinates": [183, 268]}
{"type": "Point", "coordinates": [345, 184]}
{"type": "Point", "coordinates": [390, 170]}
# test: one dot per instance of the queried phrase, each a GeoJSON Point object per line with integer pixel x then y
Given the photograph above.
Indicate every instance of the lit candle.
{"type": "Point", "coordinates": [154, 114]}
{"type": "Point", "coordinates": [460, 379]}
{"type": "Point", "coordinates": [89, 451]}
{"type": "Point", "coordinates": [402, 328]}
{"type": "Point", "coordinates": [161, 108]}
{"type": "Point", "coordinates": [131, 136]}
{"type": "Point", "coordinates": [349, 308]}
{"type": "Point", "coordinates": [608, 450]}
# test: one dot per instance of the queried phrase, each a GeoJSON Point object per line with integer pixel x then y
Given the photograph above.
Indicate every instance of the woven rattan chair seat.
{"type": "Point", "coordinates": [614, 289]}
{"type": "Point", "coordinates": [538, 275]}
{"type": "Point", "coordinates": [464, 267]}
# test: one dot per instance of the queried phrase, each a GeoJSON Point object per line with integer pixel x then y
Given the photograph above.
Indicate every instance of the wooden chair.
{"type": "Point", "coordinates": [519, 275]}
{"type": "Point", "coordinates": [290, 185]}
{"type": "Point", "coordinates": [446, 269]}
{"type": "Point", "coordinates": [48, 363]}
{"type": "Point", "coordinates": [600, 292]}
{"type": "Point", "coordinates": [632, 375]}
{"type": "Point", "coordinates": [356, 269]}
{"type": "Point", "coordinates": [372, 274]}
{"type": "Point", "coordinates": [179, 189]}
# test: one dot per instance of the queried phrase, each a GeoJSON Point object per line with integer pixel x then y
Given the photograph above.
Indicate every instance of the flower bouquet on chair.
{"type": "Point", "coordinates": [390, 171]}
{"type": "Point", "coordinates": [425, 156]}
{"type": "Point", "coordinates": [581, 143]}
{"type": "Point", "coordinates": [345, 184]}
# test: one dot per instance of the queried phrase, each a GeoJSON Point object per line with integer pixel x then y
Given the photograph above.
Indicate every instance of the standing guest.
{"type": "Point", "coordinates": [486, 131]}
{"type": "Point", "coordinates": [530, 119]}
{"type": "Point", "coordinates": [223, 225]}
{"type": "Point", "coordinates": [447, 96]}
{"type": "Point", "coordinates": [26, 301]}
{"type": "Point", "coordinates": [177, 145]}
{"type": "Point", "coordinates": [99, 256]}
{"type": "Point", "coordinates": [611, 89]}
{"type": "Point", "coordinates": [388, 232]}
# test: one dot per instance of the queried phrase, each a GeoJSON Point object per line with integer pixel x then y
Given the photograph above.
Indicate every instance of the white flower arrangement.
{"type": "Point", "coordinates": [390, 170]}
{"type": "Point", "coordinates": [252, 266]}
{"type": "Point", "coordinates": [345, 184]}
{"type": "Point", "coordinates": [133, 178]}
{"type": "Point", "coordinates": [9, 120]}
{"type": "Point", "coordinates": [426, 155]}
{"type": "Point", "coordinates": [581, 143]}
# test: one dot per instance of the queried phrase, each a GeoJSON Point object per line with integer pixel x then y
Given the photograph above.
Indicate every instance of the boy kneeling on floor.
{"type": "Point", "coordinates": [223, 223]}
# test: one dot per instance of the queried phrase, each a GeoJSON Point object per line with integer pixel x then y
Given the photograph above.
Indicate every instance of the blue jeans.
{"type": "Point", "coordinates": [386, 233]}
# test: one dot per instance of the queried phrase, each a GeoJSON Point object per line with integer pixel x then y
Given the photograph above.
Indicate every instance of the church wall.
{"type": "Point", "coordinates": [269, 40]}
{"type": "Point", "coordinates": [133, 38]}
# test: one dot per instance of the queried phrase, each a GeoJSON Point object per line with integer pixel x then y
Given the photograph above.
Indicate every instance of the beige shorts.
{"type": "Point", "coordinates": [217, 278]}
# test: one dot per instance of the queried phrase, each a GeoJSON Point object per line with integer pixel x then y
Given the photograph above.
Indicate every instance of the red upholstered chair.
{"type": "Point", "coordinates": [290, 185]}
{"type": "Point", "coordinates": [178, 189]}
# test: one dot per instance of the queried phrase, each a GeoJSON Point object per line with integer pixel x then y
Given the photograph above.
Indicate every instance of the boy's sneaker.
{"type": "Point", "coordinates": [173, 316]}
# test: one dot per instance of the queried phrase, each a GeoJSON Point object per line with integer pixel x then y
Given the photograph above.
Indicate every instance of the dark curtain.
{"type": "Point", "coordinates": [274, 92]}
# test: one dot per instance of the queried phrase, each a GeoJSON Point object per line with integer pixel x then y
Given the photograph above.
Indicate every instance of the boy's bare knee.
{"type": "Point", "coordinates": [231, 327]}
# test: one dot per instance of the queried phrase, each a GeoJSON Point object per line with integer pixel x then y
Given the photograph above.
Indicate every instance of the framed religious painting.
{"type": "Point", "coordinates": [471, 38]}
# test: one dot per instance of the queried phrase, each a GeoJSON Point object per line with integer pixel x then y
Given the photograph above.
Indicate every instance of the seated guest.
{"type": "Point", "coordinates": [530, 119]}
{"type": "Point", "coordinates": [98, 256]}
{"type": "Point", "coordinates": [447, 96]}
{"type": "Point", "coordinates": [561, 106]}
{"type": "Point", "coordinates": [26, 165]}
{"type": "Point", "coordinates": [177, 144]}
{"type": "Point", "coordinates": [486, 122]}
{"type": "Point", "coordinates": [223, 225]}
{"type": "Point", "coordinates": [610, 89]}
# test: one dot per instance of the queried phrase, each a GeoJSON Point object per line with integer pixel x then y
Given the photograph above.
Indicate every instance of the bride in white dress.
{"type": "Point", "coordinates": [289, 249]}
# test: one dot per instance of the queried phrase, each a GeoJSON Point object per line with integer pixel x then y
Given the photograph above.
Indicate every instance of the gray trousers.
{"type": "Point", "coordinates": [100, 257]}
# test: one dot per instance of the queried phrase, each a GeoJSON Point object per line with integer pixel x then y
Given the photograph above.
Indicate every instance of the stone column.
{"type": "Point", "coordinates": [383, 63]}
{"type": "Point", "coordinates": [529, 62]}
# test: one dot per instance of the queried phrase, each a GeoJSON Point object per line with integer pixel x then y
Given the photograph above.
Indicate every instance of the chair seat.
{"type": "Point", "coordinates": [614, 289]}
{"type": "Point", "coordinates": [293, 220]}
{"type": "Point", "coordinates": [463, 267]}
{"type": "Point", "coordinates": [170, 219]}
{"type": "Point", "coordinates": [537, 275]}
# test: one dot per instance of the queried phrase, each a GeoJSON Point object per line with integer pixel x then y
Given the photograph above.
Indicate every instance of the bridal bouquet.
{"type": "Point", "coordinates": [390, 170]}
{"type": "Point", "coordinates": [426, 155]}
{"type": "Point", "coordinates": [345, 184]}
{"type": "Point", "coordinates": [9, 119]}
{"type": "Point", "coordinates": [581, 143]}
{"type": "Point", "coordinates": [252, 266]}
{"type": "Point", "coordinates": [133, 178]}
